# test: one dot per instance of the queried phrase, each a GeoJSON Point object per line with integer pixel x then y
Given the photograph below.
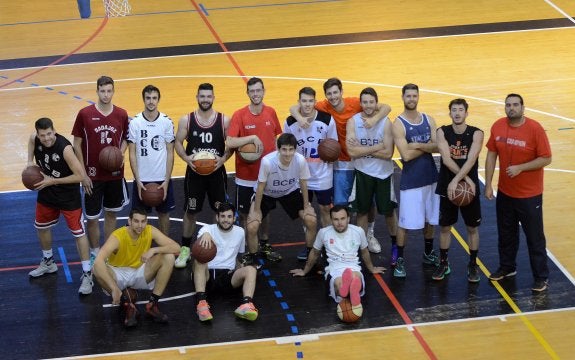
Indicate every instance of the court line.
{"type": "Point", "coordinates": [59, 60]}
{"type": "Point", "coordinates": [550, 3]}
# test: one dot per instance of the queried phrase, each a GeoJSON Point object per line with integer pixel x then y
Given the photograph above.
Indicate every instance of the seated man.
{"type": "Point", "coordinates": [133, 264]}
{"type": "Point", "coordinates": [342, 242]}
{"type": "Point", "coordinates": [222, 274]}
{"type": "Point", "coordinates": [282, 177]}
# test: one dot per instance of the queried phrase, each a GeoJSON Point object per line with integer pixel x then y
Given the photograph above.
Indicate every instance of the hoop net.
{"type": "Point", "coordinates": [115, 8]}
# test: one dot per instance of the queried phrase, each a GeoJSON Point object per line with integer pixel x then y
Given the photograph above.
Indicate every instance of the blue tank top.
{"type": "Point", "coordinates": [422, 170]}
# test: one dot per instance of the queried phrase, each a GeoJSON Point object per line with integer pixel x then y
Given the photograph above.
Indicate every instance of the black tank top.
{"type": "Point", "coordinates": [52, 162]}
{"type": "Point", "coordinates": [201, 138]}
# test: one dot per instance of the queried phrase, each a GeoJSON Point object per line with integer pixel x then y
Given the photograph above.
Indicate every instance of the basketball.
{"type": "Point", "coordinates": [348, 313]}
{"type": "Point", "coordinates": [32, 175]}
{"type": "Point", "coordinates": [111, 158]}
{"type": "Point", "coordinates": [153, 195]}
{"type": "Point", "coordinates": [248, 153]}
{"type": "Point", "coordinates": [205, 162]}
{"type": "Point", "coordinates": [463, 195]}
{"type": "Point", "coordinates": [203, 255]}
{"type": "Point", "coordinates": [329, 150]}
{"type": "Point", "coordinates": [130, 295]}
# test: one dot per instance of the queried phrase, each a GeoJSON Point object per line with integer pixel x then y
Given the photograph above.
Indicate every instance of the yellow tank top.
{"type": "Point", "coordinates": [130, 251]}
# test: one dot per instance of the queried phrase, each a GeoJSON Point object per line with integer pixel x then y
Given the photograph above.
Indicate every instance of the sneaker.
{"type": "Point", "coordinates": [247, 311]}
{"type": "Point", "coordinates": [540, 285]}
{"type": "Point", "coordinates": [473, 273]}
{"type": "Point", "coordinates": [183, 258]}
{"type": "Point", "coordinates": [431, 258]}
{"type": "Point", "coordinates": [248, 259]}
{"type": "Point", "coordinates": [500, 274]}
{"type": "Point", "coordinates": [153, 311]}
{"type": "Point", "coordinates": [203, 311]}
{"type": "Point", "coordinates": [442, 270]}
{"type": "Point", "coordinates": [399, 270]}
{"type": "Point", "coordinates": [268, 252]}
{"type": "Point", "coordinates": [354, 290]}
{"type": "Point", "coordinates": [131, 318]}
{"type": "Point", "coordinates": [393, 259]}
{"type": "Point", "coordinates": [302, 256]}
{"type": "Point", "coordinates": [47, 266]}
{"type": "Point", "coordinates": [86, 283]}
{"type": "Point", "coordinates": [372, 243]}
{"type": "Point", "coordinates": [346, 278]}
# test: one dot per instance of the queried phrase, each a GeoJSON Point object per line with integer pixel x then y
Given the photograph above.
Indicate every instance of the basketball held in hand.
{"type": "Point", "coordinates": [329, 150]}
{"type": "Point", "coordinates": [203, 255]}
{"type": "Point", "coordinates": [347, 312]}
{"type": "Point", "coordinates": [153, 195]}
{"type": "Point", "coordinates": [463, 195]}
{"type": "Point", "coordinates": [32, 175]}
{"type": "Point", "coordinates": [111, 158]}
{"type": "Point", "coordinates": [205, 162]}
{"type": "Point", "coordinates": [249, 153]}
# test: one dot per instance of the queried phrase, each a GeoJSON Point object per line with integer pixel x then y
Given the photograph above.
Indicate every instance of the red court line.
{"type": "Point", "coordinates": [16, 268]}
{"type": "Point", "coordinates": [404, 316]}
{"type": "Point", "coordinates": [86, 42]}
{"type": "Point", "coordinates": [220, 42]}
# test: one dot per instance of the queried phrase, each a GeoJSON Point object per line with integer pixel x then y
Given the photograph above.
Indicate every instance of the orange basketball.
{"type": "Point", "coordinates": [32, 175]}
{"type": "Point", "coordinates": [348, 313]}
{"type": "Point", "coordinates": [153, 195]}
{"type": "Point", "coordinates": [203, 255]}
{"type": "Point", "coordinates": [205, 162]}
{"type": "Point", "coordinates": [329, 150]}
{"type": "Point", "coordinates": [463, 195]}
{"type": "Point", "coordinates": [249, 153]}
{"type": "Point", "coordinates": [111, 158]}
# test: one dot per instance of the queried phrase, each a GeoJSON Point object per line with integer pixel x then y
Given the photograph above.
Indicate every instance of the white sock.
{"type": "Point", "coordinates": [95, 251]}
{"type": "Point", "coordinates": [86, 266]}
{"type": "Point", "coordinates": [370, 226]}
{"type": "Point", "coordinates": [47, 253]}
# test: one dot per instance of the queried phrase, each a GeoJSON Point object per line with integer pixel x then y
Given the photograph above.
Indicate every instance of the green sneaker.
{"type": "Point", "coordinates": [399, 270]}
{"type": "Point", "coordinates": [442, 270]}
{"type": "Point", "coordinates": [473, 273]}
{"type": "Point", "coordinates": [431, 258]}
{"type": "Point", "coordinates": [183, 259]}
{"type": "Point", "coordinates": [247, 311]}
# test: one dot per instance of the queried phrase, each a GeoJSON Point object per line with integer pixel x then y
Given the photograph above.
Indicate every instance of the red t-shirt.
{"type": "Point", "coordinates": [266, 126]}
{"type": "Point", "coordinates": [518, 145]}
{"type": "Point", "coordinates": [98, 131]}
{"type": "Point", "coordinates": [352, 106]}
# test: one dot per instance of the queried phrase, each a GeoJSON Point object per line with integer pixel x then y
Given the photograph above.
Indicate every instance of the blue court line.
{"type": "Point", "coordinates": [567, 128]}
{"type": "Point", "coordinates": [204, 10]}
{"type": "Point", "coordinates": [65, 264]}
{"type": "Point", "coordinates": [272, 283]}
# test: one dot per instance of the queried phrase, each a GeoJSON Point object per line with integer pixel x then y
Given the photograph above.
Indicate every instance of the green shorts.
{"type": "Point", "coordinates": [368, 189]}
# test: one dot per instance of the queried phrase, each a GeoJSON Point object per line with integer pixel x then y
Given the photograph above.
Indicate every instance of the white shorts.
{"type": "Point", "coordinates": [333, 274]}
{"type": "Point", "coordinates": [129, 277]}
{"type": "Point", "coordinates": [418, 206]}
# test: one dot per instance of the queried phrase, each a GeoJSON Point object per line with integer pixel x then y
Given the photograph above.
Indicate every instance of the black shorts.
{"type": "Point", "coordinates": [448, 212]}
{"type": "Point", "coordinates": [112, 194]}
{"type": "Point", "coordinates": [220, 281]}
{"type": "Point", "coordinates": [165, 207]}
{"type": "Point", "coordinates": [292, 203]}
{"type": "Point", "coordinates": [244, 195]}
{"type": "Point", "coordinates": [324, 197]}
{"type": "Point", "coordinates": [197, 186]}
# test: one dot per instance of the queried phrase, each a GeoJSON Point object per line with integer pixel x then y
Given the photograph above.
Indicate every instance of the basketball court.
{"type": "Point", "coordinates": [477, 50]}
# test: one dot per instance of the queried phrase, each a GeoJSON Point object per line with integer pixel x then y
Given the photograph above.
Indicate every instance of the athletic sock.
{"type": "Point", "coordinates": [443, 254]}
{"type": "Point", "coordinates": [47, 254]}
{"type": "Point", "coordinates": [154, 297]}
{"type": "Point", "coordinates": [200, 296]}
{"type": "Point", "coordinates": [86, 266]}
{"type": "Point", "coordinates": [95, 251]}
{"type": "Point", "coordinates": [428, 246]}
{"type": "Point", "coordinates": [187, 241]}
{"type": "Point", "coordinates": [370, 226]}
{"type": "Point", "coordinates": [247, 299]}
{"type": "Point", "coordinates": [400, 251]}
{"type": "Point", "coordinates": [473, 256]}
{"type": "Point", "coordinates": [393, 239]}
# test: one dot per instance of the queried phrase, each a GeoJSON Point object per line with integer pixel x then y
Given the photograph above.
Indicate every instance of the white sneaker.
{"type": "Point", "coordinates": [372, 243]}
{"type": "Point", "coordinates": [86, 283]}
{"type": "Point", "coordinates": [183, 258]}
{"type": "Point", "coordinates": [47, 266]}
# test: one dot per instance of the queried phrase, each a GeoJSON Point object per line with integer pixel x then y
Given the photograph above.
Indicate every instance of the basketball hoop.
{"type": "Point", "coordinates": [115, 8]}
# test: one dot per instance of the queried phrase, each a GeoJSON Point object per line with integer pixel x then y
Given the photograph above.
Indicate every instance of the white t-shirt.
{"type": "Point", "coordinates": [150, 138]}
{"type": "Point", "coordinates": [342, 248]}
{"type": "Point", "coordinates": [228, 243]}
{"type": "Point", "coordinates": [322, 127]}
{"type": "Point", "coordinates": [372, 166]}
{"type": "Point", "coordinates": [279, 180]}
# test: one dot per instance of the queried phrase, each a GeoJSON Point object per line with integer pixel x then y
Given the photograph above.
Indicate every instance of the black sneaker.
{"type": "Point", "coordinates": [268, 252]}
{"type": "Point", "coordinates": [442, 270]}
{"type": "Point", "coordinates": [248, 259]}
{"type": "Point", "coordinates": [131, 314]}
{"type": "Point", "coordinates": [153, 311]}
{"type": "Point", "coordinates": [473, 273]}
{"type": "Point", "coordinates": [501, 273]}
{"type": "Point", "coordinates": [540, 285]}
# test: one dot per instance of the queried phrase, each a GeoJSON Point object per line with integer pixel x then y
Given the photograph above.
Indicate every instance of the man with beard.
{"type": "Point", "coordinates": [128, 262]}
{"type": "Point", "coordinates": [342, 242]}
{"type": "Point", "coordinates": [256, 124]}
{"type": "Point", "coordinates": [224, 274]}
{"type": "Point", "coordinates": [414, 134]}
{"type": "Point", "coordinates": [523, 150]}
{"type": "Point", "coordinates": [151, 149]}
{"type": "Point", "coordinates": [59, 192]}
{"type": "Point", "coordinates": [203, 130]}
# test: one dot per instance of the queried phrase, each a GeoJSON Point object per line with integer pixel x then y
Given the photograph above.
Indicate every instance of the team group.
{"type": "Point", "coordinates": [290, 172]}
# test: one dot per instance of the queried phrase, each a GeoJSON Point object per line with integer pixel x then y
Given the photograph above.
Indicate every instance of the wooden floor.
{"type": "Point", "coordinates": [480, 50]}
